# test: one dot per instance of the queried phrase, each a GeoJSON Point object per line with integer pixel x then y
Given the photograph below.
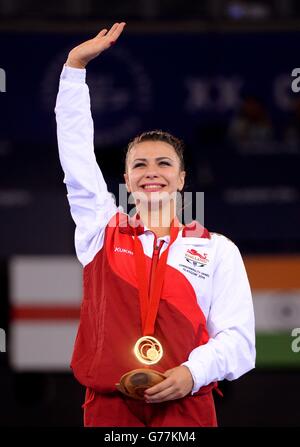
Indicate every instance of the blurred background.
{"type": "Point", "coordinates": [217, 74]}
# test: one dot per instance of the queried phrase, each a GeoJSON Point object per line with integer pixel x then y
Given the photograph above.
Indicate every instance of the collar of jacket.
{"type": "Point", "coordinates": [128, 225]}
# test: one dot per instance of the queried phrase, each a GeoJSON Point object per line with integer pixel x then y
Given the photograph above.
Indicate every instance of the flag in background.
{"type": "Point", "coordinates": [45, 296]}
{"type": "Point", "coordinates": [275, 283]}
{"type": "Point", "coordinates": [46, 292]}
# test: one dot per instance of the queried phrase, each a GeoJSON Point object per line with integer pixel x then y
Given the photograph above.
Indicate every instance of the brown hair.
{"type": "Point", "coordinates": [158, 135]}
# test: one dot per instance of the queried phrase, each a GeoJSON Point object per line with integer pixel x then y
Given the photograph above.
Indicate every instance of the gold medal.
{"type": "Point", "coordinates": [148, 350]}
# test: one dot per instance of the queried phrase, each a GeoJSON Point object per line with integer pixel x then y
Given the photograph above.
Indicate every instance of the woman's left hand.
{"type": "Point", "coordinates": [179, 383]}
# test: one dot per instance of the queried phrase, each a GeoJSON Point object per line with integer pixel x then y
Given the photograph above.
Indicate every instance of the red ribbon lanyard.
{"type": "Point", "coordinates": [149, 303]}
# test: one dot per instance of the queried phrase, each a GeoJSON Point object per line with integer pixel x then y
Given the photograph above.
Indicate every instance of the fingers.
{"type": "Point", "coordinates": [112, 29]}
{"type": "Point", "coordinates": [165, 384]}
{"type": "Point", "coordinates": [163, 397]}
{"type": "Point", "coordinates": [118, 30]}
{"type": "Point", "coordinates": [112, 35]}
{"type": "Point", "coordinates": [172, 392]}
{"type": "Point", "coordinates": [160, 395]}
{"type": "Point", "coordinates": [102, 33]}
{"type": "Point", "coordinates": [178, 384]}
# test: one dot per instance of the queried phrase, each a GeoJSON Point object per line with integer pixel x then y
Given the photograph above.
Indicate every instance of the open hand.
{"type": "Point", "coordinates": [81, 55]}
{"type": "Point", "coordinates": [179, 383]}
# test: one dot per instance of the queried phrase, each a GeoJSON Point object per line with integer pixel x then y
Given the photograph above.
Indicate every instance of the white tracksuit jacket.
{"type": "Point", "coordinates": [220, 285]}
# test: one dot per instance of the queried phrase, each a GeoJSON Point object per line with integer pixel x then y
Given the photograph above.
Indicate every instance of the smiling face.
{"type": "Point", "coordinates": [153, 168]}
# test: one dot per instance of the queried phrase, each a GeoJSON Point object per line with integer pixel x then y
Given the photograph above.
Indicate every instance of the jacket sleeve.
{"type": "Point", "coordinates": [230, 351]}
{"type": "Point", "coordinates": [91, 204]}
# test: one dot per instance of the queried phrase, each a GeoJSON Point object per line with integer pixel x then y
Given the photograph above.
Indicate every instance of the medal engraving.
{"type": "Point", "coordinates": [148, 350]}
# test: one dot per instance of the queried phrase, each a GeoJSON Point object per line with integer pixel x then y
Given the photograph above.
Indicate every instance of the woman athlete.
{"type": "Point", "coordinates": [148, 275]}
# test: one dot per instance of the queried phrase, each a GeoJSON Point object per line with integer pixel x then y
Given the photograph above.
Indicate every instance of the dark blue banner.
{"type": "Point", "coordinates": [147, 81]}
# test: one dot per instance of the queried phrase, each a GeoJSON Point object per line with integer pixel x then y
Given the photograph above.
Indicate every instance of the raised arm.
{"type": "Point", "coordinates": [91, 204]}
